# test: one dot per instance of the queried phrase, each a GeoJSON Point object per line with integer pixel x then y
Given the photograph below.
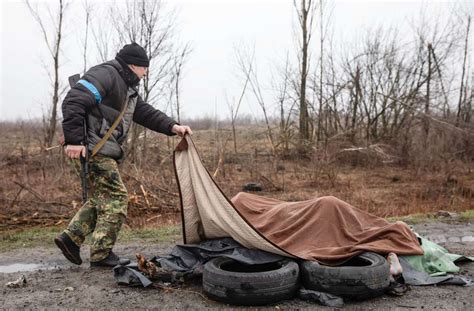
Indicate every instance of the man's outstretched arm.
{"type": "Point", "coordinates": [158, 121]}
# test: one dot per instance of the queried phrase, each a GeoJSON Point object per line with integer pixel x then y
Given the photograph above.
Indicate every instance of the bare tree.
{"type": "Point", "coordinates": [178, 63]}
{"type": "Point", "coordinates": [305, 12]}
{"type": "Point", "coordinates": [426, 123]}
{"type": "Point", "coordinates": [286, 107]}
{"type": "Point", "coordinates": [88, 8]}
{"type": "Point", "coordinates": [463, 89]}
{"type": "Point", "coordinates": [147, 23]}
{"type": "Point", "coordinates": [105, 38]}
{"type": "Point", "coordinates": [248, 68]}
{"type": "Point", "coordinates": [467, 118]}
{"type": "Point", "coordinates": [234, 108]}
{"type": "Point", "coordinates": [53, 43]}
{"type": "Point", "coordinates": [323, 32]}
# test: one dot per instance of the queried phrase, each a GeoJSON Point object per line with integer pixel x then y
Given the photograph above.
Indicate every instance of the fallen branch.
{"type": "Point", "coordinates": [53, 147]}
{"type": "Point", "coordinates": [219, 165]}
{"type": "Point", "coordinates": [145, 195]}
{"type": "Point", "coordinates": [36, 194]}
{"type": "Point", "coordinates": [16, 196]}
{"type": "Point", "coordinates": [154, 217]}
{"type": "Point", "coordinates": [37, 202]}
{"type": "Point", "coordinates": [152, 186]}
{"type": "Point", "coordinates": [268, 182]}
{"type": "Point", "coordinates": [376, 150]}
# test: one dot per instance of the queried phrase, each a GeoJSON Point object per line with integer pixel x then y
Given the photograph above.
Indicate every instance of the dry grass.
{"type": "Point", "coordinates": [39, 188]}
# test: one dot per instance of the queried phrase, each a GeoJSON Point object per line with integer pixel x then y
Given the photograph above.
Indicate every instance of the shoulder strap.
{"type": "Point", "coordinates": [111, 129]}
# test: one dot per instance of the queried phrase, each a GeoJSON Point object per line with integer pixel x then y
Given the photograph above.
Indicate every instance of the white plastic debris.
{"type": "Point", "coordinates": [20, 282]}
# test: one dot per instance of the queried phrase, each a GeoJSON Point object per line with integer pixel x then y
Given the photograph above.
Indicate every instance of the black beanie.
{"type": "Point", "coordinates": [134, 54]}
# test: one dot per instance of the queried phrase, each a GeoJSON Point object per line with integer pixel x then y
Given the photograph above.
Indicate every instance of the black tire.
{"type": "Point", "coordinates": [362, 277]}
{"type": "Point", "coordinates": [229, 281]}
{"type": "Point", "coordinates": [251, 186]}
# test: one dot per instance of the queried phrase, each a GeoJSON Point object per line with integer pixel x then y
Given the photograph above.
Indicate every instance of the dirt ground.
{"type": "Point", "coordinates": [60, 285]}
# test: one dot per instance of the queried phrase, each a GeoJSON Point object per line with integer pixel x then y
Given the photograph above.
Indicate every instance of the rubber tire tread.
{"type": "Point", "coordinates": [352, 282]}
{"type": "Point", "coordinates": [250, 288]}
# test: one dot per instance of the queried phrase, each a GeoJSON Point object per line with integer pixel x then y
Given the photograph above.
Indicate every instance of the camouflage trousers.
{"type": "Point", "coordinates": [105, 211]}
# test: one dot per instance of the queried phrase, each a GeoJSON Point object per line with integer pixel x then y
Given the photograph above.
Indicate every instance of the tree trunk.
{"type": "Point", "coordinates": [321, 43]}
{"type": "Point", "coordinates": [467, 119]}
{"type": "Point", "coordinates": [53, 119]}
{"type": "Point", "coordinates": [426, 124]}
{"type": "Point", "coordinates": [355, 105]}
{"type": "Point", "coordinates": [461, 90]}
{"type": "Point", "coordinates": [304, 117]}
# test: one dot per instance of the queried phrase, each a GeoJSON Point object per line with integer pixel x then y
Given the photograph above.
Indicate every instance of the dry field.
{"type": "Point", "coordinates": [40, 188]}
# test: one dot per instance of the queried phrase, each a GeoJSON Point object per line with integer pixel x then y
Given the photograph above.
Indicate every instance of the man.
{"type": "Point", "coordinates": [106, 92]}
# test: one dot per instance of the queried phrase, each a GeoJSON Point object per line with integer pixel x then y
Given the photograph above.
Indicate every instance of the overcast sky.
{"type": "Point", "coordinates": [213, 28]}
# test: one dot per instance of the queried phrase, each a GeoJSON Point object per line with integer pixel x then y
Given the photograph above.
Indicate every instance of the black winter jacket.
{"type": "Point", "coordinates": [100, 95]}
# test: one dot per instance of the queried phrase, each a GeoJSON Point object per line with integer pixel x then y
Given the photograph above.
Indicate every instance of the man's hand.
{"type": "Point", "coordinates": [75, 151]}
{"type": "Point", "coordinates": [181, 130]}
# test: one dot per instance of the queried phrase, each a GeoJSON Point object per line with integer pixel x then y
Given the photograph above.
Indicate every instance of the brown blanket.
{"type": "Point", "coordinates": [325, 229]}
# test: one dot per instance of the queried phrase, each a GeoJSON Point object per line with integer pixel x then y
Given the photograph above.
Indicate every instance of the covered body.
{"type": "Point", "coordinates": [324, 229]}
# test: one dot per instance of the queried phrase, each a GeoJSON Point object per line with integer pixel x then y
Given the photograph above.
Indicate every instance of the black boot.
{"type": "Point", "coordinates": [70, 250]}
{"type": "Point", "coordinates": [111, 260]}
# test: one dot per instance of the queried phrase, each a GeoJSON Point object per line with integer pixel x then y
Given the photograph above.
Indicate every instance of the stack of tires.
{"type": "Point", "coordinates": [226, 280]}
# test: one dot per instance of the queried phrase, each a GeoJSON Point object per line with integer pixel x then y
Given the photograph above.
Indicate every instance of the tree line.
{"type": "Point", "coordinates": [412, 91]}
